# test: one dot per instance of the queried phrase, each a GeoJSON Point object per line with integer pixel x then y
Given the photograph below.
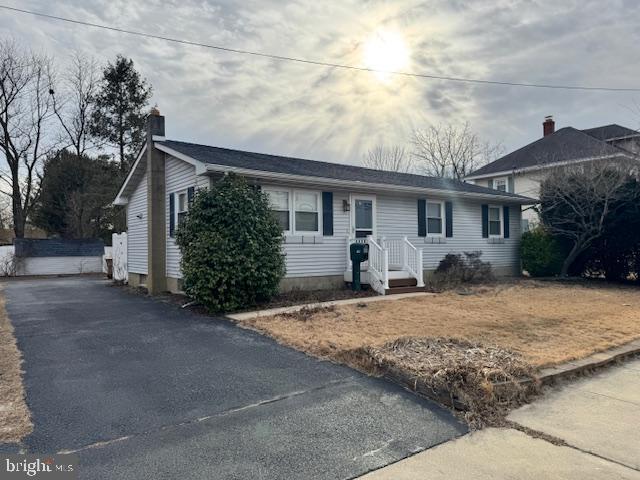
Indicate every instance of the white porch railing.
{"type": "Point", "coordinates": [385, 255]}
{"type": "Point", "coordinates": [412, 261]}
{"type": "Point", "coordinates": [378, 266]}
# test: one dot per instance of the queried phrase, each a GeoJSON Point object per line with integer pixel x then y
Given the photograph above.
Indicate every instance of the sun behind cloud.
{"type": "Point", "coordinates": [385, 51]}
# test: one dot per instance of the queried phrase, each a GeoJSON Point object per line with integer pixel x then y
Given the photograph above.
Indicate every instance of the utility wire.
{"type": "Point", "coordinates": [319, 63]}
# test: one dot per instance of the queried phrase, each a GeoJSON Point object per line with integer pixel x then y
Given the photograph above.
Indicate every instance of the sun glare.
{"type": "Point", "coordinates": [385, 51]}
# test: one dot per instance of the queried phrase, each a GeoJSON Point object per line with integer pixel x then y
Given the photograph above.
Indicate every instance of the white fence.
{"type": "Point", "coordinates": [119, 256]}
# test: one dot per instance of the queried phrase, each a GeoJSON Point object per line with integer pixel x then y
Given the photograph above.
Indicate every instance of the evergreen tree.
{"type": "Point", "coordinates": [120, 110]}
{"type": "Point", "coordinates": [76, 195]}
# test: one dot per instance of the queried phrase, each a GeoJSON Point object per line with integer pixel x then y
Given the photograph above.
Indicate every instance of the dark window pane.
{"type": "Point", "coordinates": [434, 225]}
{"type": "Point", "coordinates": [494, 228]}
{"type": "Point", "coordinates": [306, 221]}
{"type": "Point", "coordinates": [364, 214]}
{"type": "Point", "coordinates": [363, 233]}
{"type": "Point", "coordinates": [283, 219]}
{"type": "Point", "coordinates": [181, 217]}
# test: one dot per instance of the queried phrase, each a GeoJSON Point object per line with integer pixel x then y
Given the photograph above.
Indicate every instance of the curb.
{"type": "Point", "coordinates": [576, 367]}
{"type": "Point", "coordinates": [349, 301]}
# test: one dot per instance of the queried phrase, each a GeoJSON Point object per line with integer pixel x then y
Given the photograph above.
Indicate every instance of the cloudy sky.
{"type": "Point", "coordinates": [330, 114]}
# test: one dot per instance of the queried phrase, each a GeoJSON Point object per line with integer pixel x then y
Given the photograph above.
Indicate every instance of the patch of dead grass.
{"type": "Point", "coordinates": [486, 382]}
{"type": "Point", "coordinates": [547, 323]}
{"type": "Point", "coordinates": [15, 419]}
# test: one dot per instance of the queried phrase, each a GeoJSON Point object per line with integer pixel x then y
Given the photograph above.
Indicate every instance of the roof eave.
{"type": "Point", "coordinates": [121, 198]}
{"type": "Point", "coordinates": [261, 174]}
{"type": "Point", "coordinates": [549, 165]}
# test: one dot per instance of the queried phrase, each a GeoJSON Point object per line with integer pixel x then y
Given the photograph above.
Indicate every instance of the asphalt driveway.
{"type": "Point", "coordinates": [142, 389]}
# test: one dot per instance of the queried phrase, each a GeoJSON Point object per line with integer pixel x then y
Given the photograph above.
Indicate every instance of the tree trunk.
{"type": "Point", "coordinates": [19, 219]}
{"type": "Point", "coordinates": [573, 254]}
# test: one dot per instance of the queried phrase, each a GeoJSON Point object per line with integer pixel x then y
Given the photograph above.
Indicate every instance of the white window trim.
{"type": "Point", "coordinates": [506, 183]}
{"type": "Point", "coordinates": [177, 211]}
{"type": "Point", "coordinates": [501, 216]}
{"type": "Point", "coordinates": [292, 209]}
{"type": "Point", "coordinates": [290, 201]}
{"type": "Point", "coordinates": [352, 213]}
{"type": "Point", "coordinates": [443, 218]}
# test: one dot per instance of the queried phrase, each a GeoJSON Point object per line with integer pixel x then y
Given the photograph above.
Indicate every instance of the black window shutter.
{"type": "Point", "coordinates": [190, 193]}
{"type": "Point", "coordinates": [506, 221]}
{"type": "Point", "coordinates": [490, 183]}
{"type": "Point", "coordinates": [448, 212]}
{"type": "Point", "coordinates": [422, 217]}
{"type": "Point", "coordinates": [327, 213]}
{"type": "Point", "coordinates": [172, 214]}
{"type": "Point", "coordinates": [485, 221]}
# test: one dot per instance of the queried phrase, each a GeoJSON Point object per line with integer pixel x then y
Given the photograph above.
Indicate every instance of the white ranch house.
{"type": "Point", "coordinates": [409, 221]}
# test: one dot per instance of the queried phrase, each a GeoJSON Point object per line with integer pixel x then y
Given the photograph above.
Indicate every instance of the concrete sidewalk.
{"type": "Point", "coordinates": [598, 419]}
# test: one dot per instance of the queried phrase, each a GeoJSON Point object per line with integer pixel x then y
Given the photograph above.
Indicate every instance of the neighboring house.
{"type": "Point", "coordinates": [410, 221]}
{"type": "Point", "coordinates": [55, 256]}
{"type": "Point", "coordinates": [523, 170]}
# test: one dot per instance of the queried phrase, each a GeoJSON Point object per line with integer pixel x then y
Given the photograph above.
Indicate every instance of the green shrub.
{"type": "Point", "coordinates": [231, 247]}
{"type": "Point", "coordinates": [541, 254]}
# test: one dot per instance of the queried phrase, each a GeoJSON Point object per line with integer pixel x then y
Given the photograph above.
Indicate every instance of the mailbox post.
{"type": "Point", "coordinates": [359, 253]}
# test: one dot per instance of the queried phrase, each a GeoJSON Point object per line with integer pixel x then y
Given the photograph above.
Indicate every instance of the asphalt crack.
{"type": "Point", "coordinates": [195, 421]}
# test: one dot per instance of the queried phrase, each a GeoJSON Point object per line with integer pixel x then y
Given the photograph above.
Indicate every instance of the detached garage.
{"type": "Point", "coordinates": [57, 256]}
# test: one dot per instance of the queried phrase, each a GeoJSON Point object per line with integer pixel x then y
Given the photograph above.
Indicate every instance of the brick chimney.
{"type": "Point", "coordinates": [156, 204]}
{"type": "Point", "coordinates": [548, 126]}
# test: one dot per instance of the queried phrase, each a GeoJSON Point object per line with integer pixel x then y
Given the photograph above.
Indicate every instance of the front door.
{"type": "Point", "coordinates": [363, 215]}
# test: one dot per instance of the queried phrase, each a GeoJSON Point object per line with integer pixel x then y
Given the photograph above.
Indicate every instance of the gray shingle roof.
{"type": "Point", "coordinates": [609, 132]}
{"type": "Point", "coordinates": [57, 247]}
{"type": "Point", "coordinates": [313, 168]}
{"type": "Point", "coordinates": [564, 145]}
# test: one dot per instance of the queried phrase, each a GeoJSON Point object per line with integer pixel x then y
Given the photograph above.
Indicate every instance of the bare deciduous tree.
{"type": "Point", "coordinates": [452, 151]}
{"type": "Point", "coordinates": [576, 200]}
{"type": "Point", "coordinates": [26, 112]}
{"type": "Point", "coordinates": [393, 159]}
{"type": "Point", "coordinates": [74, 104]}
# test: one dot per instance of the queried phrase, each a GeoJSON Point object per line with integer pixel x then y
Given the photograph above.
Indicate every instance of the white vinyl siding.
{"type": "Point", "coordinates": [311, 255]}
{"type": "Point", "coordinates": [397, 216]}
{"type": "Point", "coordinates": [326, 258]}
{"type": "Point", "coordinates": [180, 176]}
{"type": "Point", "coordinates": [137, 229]}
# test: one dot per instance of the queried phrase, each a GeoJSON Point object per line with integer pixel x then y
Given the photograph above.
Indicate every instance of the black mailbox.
{"type": "Point", "coordinates": [359, 253]}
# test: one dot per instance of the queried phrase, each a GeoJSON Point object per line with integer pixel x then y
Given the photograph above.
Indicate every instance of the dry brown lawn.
{"type": "Point", "coordinates": [548, 323]}
{"type": "Point", "coordinates": [15, 420]}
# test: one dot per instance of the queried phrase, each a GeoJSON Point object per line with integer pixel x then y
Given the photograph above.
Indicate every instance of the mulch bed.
{"type": "Point", "coordinates": [298, 297]}
{"type": "Point", "coordinates": [286, 299]}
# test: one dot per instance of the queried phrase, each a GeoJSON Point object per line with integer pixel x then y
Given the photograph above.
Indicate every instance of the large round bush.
{"type": "Point", "coordinates": [231, 247]}
{"type": "Point", "coordinates": [541, 254]}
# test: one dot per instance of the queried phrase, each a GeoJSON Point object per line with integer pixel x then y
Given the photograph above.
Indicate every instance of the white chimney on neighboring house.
{"type": "Point", "coordinates": [548, 126]}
